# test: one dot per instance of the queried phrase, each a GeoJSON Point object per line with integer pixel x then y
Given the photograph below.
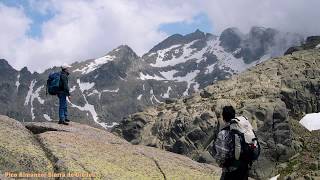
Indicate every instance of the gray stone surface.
{"type": "Point", "coordinates": [273, 95]}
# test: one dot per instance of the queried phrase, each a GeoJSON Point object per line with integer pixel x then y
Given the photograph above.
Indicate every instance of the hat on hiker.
{"type": "Point", "coordinates": [65, 66]}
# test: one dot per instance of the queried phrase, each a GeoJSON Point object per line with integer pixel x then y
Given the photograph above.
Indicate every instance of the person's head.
{"type": "Point", "coordinates": [65, 68]}
{"type": "Point", "coordinates": [228, 113]}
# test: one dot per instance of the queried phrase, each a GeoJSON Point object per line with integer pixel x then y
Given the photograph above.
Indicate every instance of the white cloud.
{"type": "Point", "coordinates": [14, 24]}
{"type": "Point", "coordinates": [86, 29]}
{"type": "Point", "coordinates": [286, 15]}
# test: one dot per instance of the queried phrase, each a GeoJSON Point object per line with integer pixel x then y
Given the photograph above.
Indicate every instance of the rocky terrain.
{"type": "Point", "coordinates": [46, 148]}
{"type": "Point", "coordinates": [120, 83]}
{"type": "Point", "coordinates": [274, 95]}
{"type": "Point", "coordinates": [310, 43]}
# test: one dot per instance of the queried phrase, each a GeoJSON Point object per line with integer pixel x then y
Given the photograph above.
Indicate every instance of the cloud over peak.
{"type": "Point", "coordinates": [77, 30]}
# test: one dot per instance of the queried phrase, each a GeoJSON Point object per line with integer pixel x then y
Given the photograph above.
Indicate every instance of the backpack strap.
{"type": "Point", "coordinates": [237, 146]}
{"type": "Point", "coordinates": [258, 144]}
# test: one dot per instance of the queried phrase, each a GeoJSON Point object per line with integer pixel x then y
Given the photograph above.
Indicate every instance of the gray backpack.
{"type": "Point", "coordinates": [247, 146]}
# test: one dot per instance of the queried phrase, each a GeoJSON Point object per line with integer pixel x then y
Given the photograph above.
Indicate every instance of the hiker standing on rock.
{"type": "Point", "coordinates": [236, 146]}
{"type": "Point", "coordinates": [63, 94]}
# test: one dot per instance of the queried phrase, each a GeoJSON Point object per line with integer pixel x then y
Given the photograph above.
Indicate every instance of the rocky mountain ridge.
{"type": "Point", "coordinates": [274, 95]}
{"type": "Point", "coordinates": [113, 86]}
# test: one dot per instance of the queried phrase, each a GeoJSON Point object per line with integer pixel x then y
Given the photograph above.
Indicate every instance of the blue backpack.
{"type": "Point", "coordinates": [53, 83]}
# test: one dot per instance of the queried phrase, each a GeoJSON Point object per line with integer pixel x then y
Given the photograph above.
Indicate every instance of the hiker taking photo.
{"type": "Point", "coordinates": [236, 146]}
{"type": "Point", "coordinates": [57, 84]}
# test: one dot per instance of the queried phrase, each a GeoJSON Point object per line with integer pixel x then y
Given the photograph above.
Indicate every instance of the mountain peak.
{"type": "Point", "coordinates": [4, 64]}
{"type": "Point", "coordinates": [179, 39]}
{"type": "Point", "coordinates": [123, 49]}
{"type": "Point", "coordinates": [171, 40]}
{"type": "Point", "coordinates": [260, 31]}
{"type": "Point", "coordinates": [230, 39]}
{"type": "Point", "coordinates": [194, 36]}
{"type": "Point", "coordinates": [198, 30]}
{"type": "Point", "coordinates": [24, 69]}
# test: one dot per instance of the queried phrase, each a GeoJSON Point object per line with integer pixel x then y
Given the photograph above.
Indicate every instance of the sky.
{"type": "Point", "coordinates": [43, 33]}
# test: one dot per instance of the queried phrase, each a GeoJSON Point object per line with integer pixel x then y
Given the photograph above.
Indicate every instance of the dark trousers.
{"type": "Point", "coordinates": [63, 108]}
{"type": "Point", "coordinates": [241, 173]}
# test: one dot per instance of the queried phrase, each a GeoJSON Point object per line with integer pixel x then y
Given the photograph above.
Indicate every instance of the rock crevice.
{"type": "Point", "coordinates": [38, 129]}
{"type": "Point", "coordinates": [157, 164]}
{"type": "Point", "coordinates": [50, 156]}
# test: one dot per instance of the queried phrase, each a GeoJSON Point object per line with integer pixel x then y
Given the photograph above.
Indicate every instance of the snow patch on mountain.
{"type": "Point", "coordinates": [183, 52]}
{"type": "Point", "coordinates": [167, 94]}
{"type": "Point", "coordinates": [47, 117]}
{"type": "Point", "coordinates": [187, 54]}
{"type": "Point", "coordinates": [73, 88]}
{"type": "Point", "coordinates": [275, 177]}
{"type": "Point", "coordinates": [107, 126]}
{"type": "Point", "coordinates": [36, 95]}
{"type": "Point", "coordinates": [85, 85]}
{"type": "Point", "coordinates": [311, 121]}
{"type": "Point", "coordinates": [95, 64]}
{"type": "Point", "coordinates": [123, 79]}
{"type": "Point", "coordinates": [18, 82]}
{"type": "Point", "coordinates": [318, 46]}
{"type": "Point", "coordinates": [139, 97]}
{"type": "Point", "coordinates": [114, 91]}
{"type": "Point", "coordinates": [147, 77]}
{"type": "Point", "coordinates": [31, 96]}
{"type": "Point", "coordinates": [189, 78]}
{"type": "Point", "coordinates": [151, 54]}
{"type": "Point", "coordinates": [264, 58]}
{"type": "Point", "coordinates": [153, 97]}
{"type": "Point", "coordinates": [95, 92]}
{"type": "Point", "coordinates": [26, 102]}
{"type": "Point", "coordinates": [227, 60]}
{"type": "Point", "coordinates": [169, 74]}
{"type": "Point", "coordinates": [88, 107]}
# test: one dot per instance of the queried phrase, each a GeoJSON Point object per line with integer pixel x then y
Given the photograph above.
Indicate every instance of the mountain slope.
{"type": "Point", "coordinates": [47, 148]}
{"type": "Point", "coordinates": [113, 86]}
{"type": "Point", "coordinates": [274, 95]}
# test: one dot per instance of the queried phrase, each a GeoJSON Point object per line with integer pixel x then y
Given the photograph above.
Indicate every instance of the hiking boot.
{"type": "Point", "coordinates": [67, 120]}
{"type": "Point", "coordinates": [62, 122]}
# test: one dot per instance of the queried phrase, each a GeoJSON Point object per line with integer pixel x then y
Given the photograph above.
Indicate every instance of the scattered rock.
{"type": "Point", "coordinates": [205, 94]}
{"type": "Point", "coordinates": [315, 165]}
{"type": "Point", "coordinates": [170, 101]}
{"type": "Point", "coordinates": [293, 49]}
{"type": "Point", "coordinates": [206, 157]}
{"type": "Point", "coordinates": [312, 42]}
{"type": "Point", "coordinates": [272, 95]}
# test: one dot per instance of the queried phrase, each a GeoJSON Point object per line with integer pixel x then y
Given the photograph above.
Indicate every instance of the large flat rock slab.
{"type": "Point", "coordinates": [79, 148]}
{"type": "Point", "coordinates": [19, 150]}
